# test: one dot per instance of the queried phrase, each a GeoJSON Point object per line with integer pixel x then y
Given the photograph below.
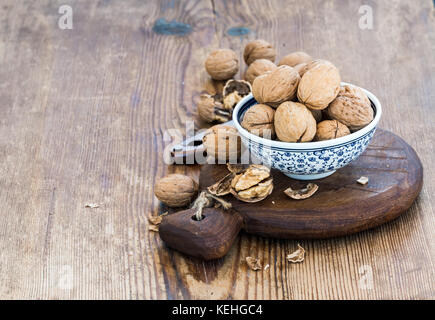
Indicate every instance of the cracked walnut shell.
{"type": "Point", "coordinates": [276, 86]}
{"type": "Point", "coordinates": [252, 185]}
{"type": "Point", "coordinates": [352, 107]}
{"type": "Point", "coordinates": [222, 64]}
{"type": "Point", "coordinates": [257, 68]}
{"type": "Point", "coordinates": [234, 91]}
{"type": "Point", "coordinates": [294, 123]}
{"type": "Point", "coordinates": [258, 120]}
{"type": "Point", "coordinates": [211, 108]}
{"type": "Point", "coordinates": [295, 58]}
{"type": "Point", "coordinates": [319, 85]}
{"type": "Point", "coordinates": [222, 143]}
{"type": "Point", "coordinates": [331, 129]}
{"type": "Point", "coordinates": [258, 49]}
{"type": "Point", "coordinates": [176, 190]}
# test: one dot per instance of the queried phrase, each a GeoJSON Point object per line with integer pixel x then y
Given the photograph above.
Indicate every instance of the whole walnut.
{"type": "Point", "coordinates": [259, 121]}
{"type": "Point", "coordinates": [176, 190]}
{"type": "Point", "coordinates": [294, 122]}
{"type": "Point", "coordinates": [301, 68]}
{"type": "Point", "coordinates": [352, 107]}
{"type": "Point", "coordinates": [211, 108]}
{"type": "Point", "coordinates": [259, 49]}
{"type": "Point", "coordinates": [331, 129]}
{"type": "Point", "coordinates": [295, 58]}
{"type": "Point", "coordinates": [222, 64]}
{"type": "Point", "coordinates": [319, 85]}
{"type": "Point", "coordinates": [234, 91]}
{"type": "Point", "coordinates": [222, 143]}
{"type": "Point", "coordinates": [276, 86]}
{"type": "Point", "coordinates": [257, 68]}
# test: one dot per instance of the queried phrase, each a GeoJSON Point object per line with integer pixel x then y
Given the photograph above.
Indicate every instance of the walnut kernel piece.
{"type": "Point", "coordinates": [258, 49]}
{"type": "Point", "coordinates": [259, 120]}
{"type": "Point", "coordinates": [363, 180]}
{"type": "Point", "coordinates": [352, 107]}
{"type": "Point", "coordinates": [156, 220]}
{"type": "Point", "coordinates": [222, 64]}
{"type": "Point", "coordinates": [276, 86]}
{"type": "Point", "coordinates": [331, 129]}
{"type": "Point", "coordinates": [295, 58]}
{"type": "Point", "coordinates": [211, 108]}
{"type": "Point", "coordinates": [304, 193]}
{"type": "Point", "coordinates": [257, 68]}
{"type": "Point", "coordinates": [254, 263]}
{"type": "Point", "coordinates": [234, 91]}
{"type": "Point", "coordinates": [294, 123]}
{"type": "Point", "coordinates": [319, 85]}
{"type": "Point", "coordinates": [223, 143]}
{"type": "Point", "coordinates": [252, 185]}
{"type": "Point", "coordinates": [296, 256]}
{"type": "Point", "coordinates": [176, 190]}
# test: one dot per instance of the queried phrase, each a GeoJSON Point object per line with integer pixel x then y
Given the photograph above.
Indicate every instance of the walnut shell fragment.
{"type": "Point", "coordinates": [234, 91]}
{"type": "Point", "coordinates": [258, 49]}
{"type": "Point", "coordinates": [222, 143]}
{"type": "Point", "coordinates": [296, 256]}
{"type": "Point", "coordinates": [304, 193]}
{"type": "Point", "coordinates": [223, 186]}
{"type": "Point", "coordinates": [156, 220]}
{"type": "Point", "coordinates": [295, 58]}
{"type": "Point", "coordinates": [257, 68]}
{"type": "Point", "coordinates": [259, 120]}
{"type": "Point", "coordinates": [352, 107]}
{"type": "Point", "coordinates": [294, 123]}
{"type": "Point", "coordinates": [222, 64]}
{"type": "Point", "coordinates": [252, 185]}
{"type": "Point", "coordinates": [331, 129]}
{"type": "Point", "coordinates": [211, 108]}
{"type": "Point", "coordinates": [254, 263]}
{"type": "Point", "coordinates": [176, 190]}
{"type": "Point", "coordinates": [363, 180]}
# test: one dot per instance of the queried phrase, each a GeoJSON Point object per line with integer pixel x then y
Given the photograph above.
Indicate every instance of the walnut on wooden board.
{"type": "Point", "coordinates": [222, 64]}
{"type": "Point", "coordinates": [258, 49]}
{"type": "Point", "coordinates": [176, 190]}
{"type": "Point", "coordinates": [295, 58]}
{"type": "Point", "coordinates": [257, 68]}
{"type": "Point", "coordinates": [294, 123]}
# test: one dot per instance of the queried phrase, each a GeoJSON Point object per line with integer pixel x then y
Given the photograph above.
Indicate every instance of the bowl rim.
{"type": "Point", "coordinates": [310, 145]}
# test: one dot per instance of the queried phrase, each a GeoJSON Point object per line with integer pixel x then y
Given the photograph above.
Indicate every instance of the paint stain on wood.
{"type": "Point", "coordinates": [162, 26]}
{"type": "Point", "coordinates": [238, 31]}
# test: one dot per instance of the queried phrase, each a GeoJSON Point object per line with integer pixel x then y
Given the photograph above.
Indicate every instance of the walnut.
{"type": "Point", "coordinates": [252, 185]}
{"type": "Point", "coordinates": [331, 129]}
{"type": "Point", "coordinates": [234, 91]}
{"type": "Point", "coordinates": [352, 108]}
{"type": "Point", "coordinates": [257, 68]}
{"type": "Point", "coordinates": [211, 108]}
{"type": "Point", "coordinates": [222, 64]}
{"type": "Point", "coordinates": [294, 122]}
{"type": "Point", "coordinates": [301, 68]}
{"type": "Point", "coordinates": [258, 49]}
{"type": "Point", "coordinates": [304, 193]}
{"type": "Point", "coordinates": [276, 86]}
{"type": "Point", "coordinates": [295, 58]}
{"type": "Point", "coordinates": [319, 85]}
{"type": "Point", "coordinates": [259, 121]}
{"type": "Point", "coordinates": [222, 143]}
{"type": "Point", "coordinates": [176, 190]}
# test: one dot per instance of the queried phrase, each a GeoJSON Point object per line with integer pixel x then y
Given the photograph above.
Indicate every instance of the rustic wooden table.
{"type": "Point", "coordinates": [83, 114]}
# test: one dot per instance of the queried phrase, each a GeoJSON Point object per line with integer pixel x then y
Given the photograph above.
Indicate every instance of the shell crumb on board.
{"type": "Point", "coordinates": [363, 180]}
{"type": "Point", "coordinates": [92, 205]}
{"type": "Point", "coordinates": [296, 256]}
{"type": "Point", "coordinates": [254, 263]}
{"type": "Point", "coordinates": [156, 220]}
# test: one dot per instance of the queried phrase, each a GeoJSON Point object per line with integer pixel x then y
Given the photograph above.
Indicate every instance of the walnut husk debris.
{"type": "Point", "coordinates": [319, 85]}
{"type": "Point", "coordinates": [211, 108]}
{"type": "Point", "coordinates": [296, 256]}
{"type": "Point", "coordinates": [303, 193]}
{"type": "Point", "coordinates": [259, 120]}
{"type": "Point", "coordinates": [176, 190]}
{"type": "Point", "coordinates": [254, 263]}
{"type": "Point", "coordinates": [222, 64]}
{"type": "Point", "coordinates": [294, 123]}
{"type": "Point", "coordinates": [295, 58]}
{"type": "Point", "coordinates": [331, 129]}
{"type": "Point", "coordinates": [156, 220]}
{"type": "Point", "coordinates": [234, 91]}
{"type": "Point", "coordinates": [222, 143]}
{"type": "Point", "coordinates": [259, 49]}
{"type": "Point", "coordinates": [257, 68]}
{"type": "Point", "coordinates": [276, 86]}
{"type": "Point", "coordinates": [352, 108]}
{"type": "Point", "coordinates": [252, 185]}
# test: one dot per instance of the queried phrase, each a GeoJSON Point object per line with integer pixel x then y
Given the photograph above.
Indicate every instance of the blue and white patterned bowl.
{"type": "Point", "coordinates": [307, 160]}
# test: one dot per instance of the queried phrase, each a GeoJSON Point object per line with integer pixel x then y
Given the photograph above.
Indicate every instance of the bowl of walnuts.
{"type": "Point", "coordinates": [305, 135]}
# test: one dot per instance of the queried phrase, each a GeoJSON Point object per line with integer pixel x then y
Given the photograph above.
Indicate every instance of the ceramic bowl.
{"type": "Point", "coordinates": [307, 160]}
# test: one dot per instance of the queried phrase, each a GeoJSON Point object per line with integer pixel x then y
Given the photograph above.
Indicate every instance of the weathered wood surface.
{"type": "Point", "coordinates": [83, 114]}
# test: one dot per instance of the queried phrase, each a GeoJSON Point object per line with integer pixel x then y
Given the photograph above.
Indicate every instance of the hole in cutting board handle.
{"type": "Point", "coordinates": [194, 218]}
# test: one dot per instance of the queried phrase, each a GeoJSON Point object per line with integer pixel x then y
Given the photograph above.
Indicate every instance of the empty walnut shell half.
{"type": "Point", "coordinates": [295, 58]}
{"type": "Point", "coordinates": [257, 68]}
{"type": "Point", "coordinates": [222, 143]}
{"type": "Point", "coordinates": [304, 193]}
{"type": "Point", "coordinates": [352, 107]}
{"type": "Point", "coordinates": [223, 186]}
{"type": "Point", "coordinates": [259, 49]}
{"type": "Point", "coordinates": [234, 91]}
{"type": "Point", "coordinates": [259, 119]}
{"type": "Point", "coordinates": [211, 108]}
{"type": "Point", "coordinates": [294, 123]}
{"type": "Point", "coordinates": [222, 64]}
{"type": "Point", "coordinates": [252, 185]}
{"type": "Point", "coordinates": [331, 129]}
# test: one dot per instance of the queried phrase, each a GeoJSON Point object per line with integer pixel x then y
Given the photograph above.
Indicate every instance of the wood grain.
{"type": "Point", "coordinates": [84, 114]}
